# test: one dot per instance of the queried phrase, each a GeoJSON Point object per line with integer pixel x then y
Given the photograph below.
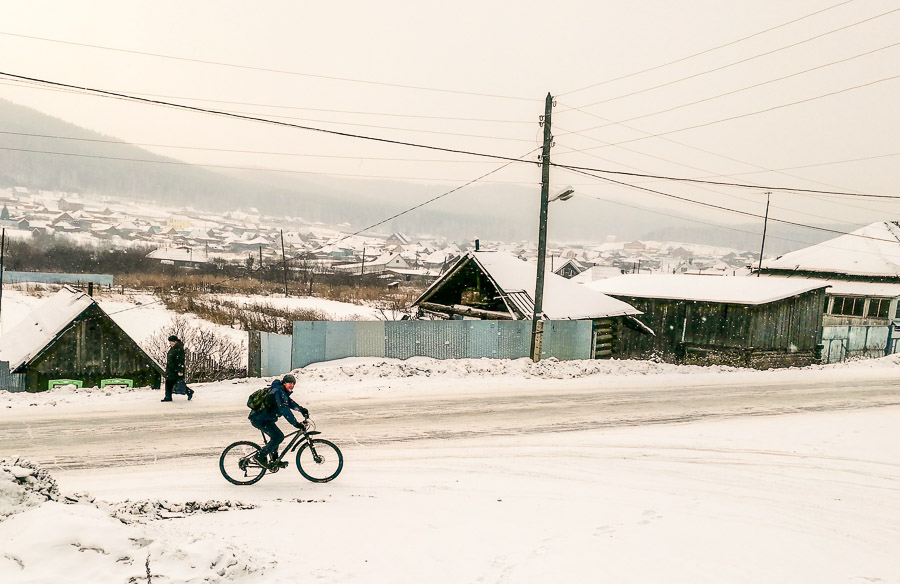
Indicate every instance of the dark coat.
{"type": "Point", "coordinates": [279, 404]}
{"type": "Point", "coordinates": [175, 362]}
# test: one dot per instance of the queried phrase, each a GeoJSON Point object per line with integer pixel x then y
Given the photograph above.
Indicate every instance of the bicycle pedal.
{"type": "Point", "coordinates": [283, 464]}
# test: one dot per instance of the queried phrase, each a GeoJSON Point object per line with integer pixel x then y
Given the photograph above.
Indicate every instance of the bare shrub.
{"type": "Point", "coordinates": [209, 355]}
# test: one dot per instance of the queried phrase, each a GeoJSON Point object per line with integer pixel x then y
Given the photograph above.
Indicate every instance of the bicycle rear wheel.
{"type": "Point", "coordinates": [319, 461]}
{"type": "Point", "coordinates": [237, 464]}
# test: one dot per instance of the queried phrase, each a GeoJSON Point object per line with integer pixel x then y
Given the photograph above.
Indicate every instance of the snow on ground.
{"type": "Point", "coordinates": [805, 497]}
{"type": "Point", "coordinates": [736, 496]}
{"type": "Point", "coordinates": [334, 309]}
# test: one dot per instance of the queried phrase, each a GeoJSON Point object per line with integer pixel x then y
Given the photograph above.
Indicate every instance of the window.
{"type": "Point", "coordinates": [848, 305]}
{"type": "Point", "coordinates": [878, 307]}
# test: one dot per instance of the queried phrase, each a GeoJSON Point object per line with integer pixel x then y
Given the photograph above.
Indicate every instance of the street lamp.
{"type": "Point", "coordinates": [537, 326]}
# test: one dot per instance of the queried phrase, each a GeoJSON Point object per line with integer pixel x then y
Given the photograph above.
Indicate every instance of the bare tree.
{"type": "Point", "coordinates": [209, 355]}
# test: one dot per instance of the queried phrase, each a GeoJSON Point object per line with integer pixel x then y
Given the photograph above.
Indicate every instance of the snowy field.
{"type": "Point", "coordinates": [470, 471]}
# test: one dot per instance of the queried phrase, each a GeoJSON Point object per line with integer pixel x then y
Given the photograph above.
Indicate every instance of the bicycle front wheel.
{"type": "Point", "coordinates": [319, 461]}
{"type": "Point", "coordinates": [237, 464]}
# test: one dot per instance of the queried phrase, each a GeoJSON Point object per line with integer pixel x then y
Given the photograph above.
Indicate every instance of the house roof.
{"type": "Point", "coordinates": [179, 254]}
{"type": "Point", "coordinates": [49, 318]}
{"type": "Point", "coordinates": [850, 288]}
{"type": "Point", "coordinates": [724, 289]}
{"type": "Point", "coordinates": [873, 250]}
{"type": "Point", "coordinates": [563, 300]}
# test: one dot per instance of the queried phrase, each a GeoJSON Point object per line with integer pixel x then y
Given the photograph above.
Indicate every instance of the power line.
{"type": "Point", "coordinates": [233, 167]}
{"type": "Point", "coordinates": [258, 119]}
{"type": "Point", "coordinates": [360, 125]}
{"type": "Point", "coordinates": [716, 48]}
{"type": "Point", "coordinates": [741, 61]}
{"type": "Point", "coordinates": [238, 151]}
{"type": "Point", "coordinates": [717, 154]}
{"type": "Point", "coordinates": [673, 108]}
{"type": "Point", "coordinates": [719, 183]}
{"type": "Point", "coordinates": [265, 69]}
{"type": "Point", "coordinates": [762, 111]}
{"type": "Point", "coordinates": [727, 209]}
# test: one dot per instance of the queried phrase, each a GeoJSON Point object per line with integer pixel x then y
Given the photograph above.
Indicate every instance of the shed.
{"type": "Point", "coordinates": [68, 336]}
{"type": "Point", "coordinates": [742, 321]}
{"type": "Point", "coordinates": [493, 285]}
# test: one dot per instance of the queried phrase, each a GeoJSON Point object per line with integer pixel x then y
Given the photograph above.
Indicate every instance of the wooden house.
{"type": "Point", "coordinates": [862, 303]}
{"type": "Point", "coordinates": [492, 285]}
{"type": "Point", "coordinates": [707, 320]}
{"type": "Point", "coordinates": [69, 337]}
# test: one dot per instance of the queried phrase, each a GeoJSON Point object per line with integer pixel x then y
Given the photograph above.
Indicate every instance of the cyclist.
{"type": "Point", "coordinates": [278, 404]}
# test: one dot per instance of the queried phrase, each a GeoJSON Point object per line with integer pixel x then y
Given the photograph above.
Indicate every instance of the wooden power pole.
{"type": "Point", "coordinates": [537, 325]}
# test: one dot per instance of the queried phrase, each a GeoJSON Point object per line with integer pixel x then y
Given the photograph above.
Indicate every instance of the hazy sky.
{"type": "Point", "coordinates": [355, 67]}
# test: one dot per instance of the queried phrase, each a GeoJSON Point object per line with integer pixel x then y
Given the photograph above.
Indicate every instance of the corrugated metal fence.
{"type": "Point", "coordinates": [441, 339]}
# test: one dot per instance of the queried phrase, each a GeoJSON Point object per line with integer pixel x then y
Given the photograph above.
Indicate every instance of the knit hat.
{"type": "Point", "coordinates": [289, 379]}
{"type": "Point", "coordinates": [173, 339]}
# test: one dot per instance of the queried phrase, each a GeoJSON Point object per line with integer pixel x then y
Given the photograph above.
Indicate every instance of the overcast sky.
{"type": "Point", "coordinates": [472, 75]}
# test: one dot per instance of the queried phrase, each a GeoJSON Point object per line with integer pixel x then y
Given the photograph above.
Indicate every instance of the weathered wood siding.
{"type": "Point", "coordinates": [92, 348]}
{"type": "Point", "coordinates": [786, 332]}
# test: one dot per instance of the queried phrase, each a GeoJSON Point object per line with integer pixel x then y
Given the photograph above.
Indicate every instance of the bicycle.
{"type": "Point", "coordinates": [318, 460]}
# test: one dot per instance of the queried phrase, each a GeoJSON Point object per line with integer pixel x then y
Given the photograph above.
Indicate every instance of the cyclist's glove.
{"type": "Point", "coordinates": [304, 411]}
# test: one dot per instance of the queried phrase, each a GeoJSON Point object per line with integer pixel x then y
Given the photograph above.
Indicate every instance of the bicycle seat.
{"type": "Point", "coordinates": [313, 433]}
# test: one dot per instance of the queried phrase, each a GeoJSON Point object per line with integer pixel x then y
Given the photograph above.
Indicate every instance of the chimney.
{"type": "Point", "coordinates": [476, 245]}
{"type": "Point", "coordinates": [91, 289]}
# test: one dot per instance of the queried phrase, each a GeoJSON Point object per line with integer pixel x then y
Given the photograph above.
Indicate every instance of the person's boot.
{"type": "Point", "coordinates": [190, 394]}
{"type": "Point", "coordinates": [167, 398]}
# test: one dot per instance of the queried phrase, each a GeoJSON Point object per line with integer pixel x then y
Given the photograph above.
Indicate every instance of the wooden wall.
{"type": "Point", "coordinates": [783, 333]}
{"type": "Point", "coordinates": [91, 349]}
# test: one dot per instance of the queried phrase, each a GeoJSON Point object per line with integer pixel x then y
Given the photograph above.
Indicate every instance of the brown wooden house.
{"type": "Point", "coordinates": [68, 336]}
{"type": "Point", "coordinates": [492, 285]}
{"type": "Point", "coordinates": [709, 320]}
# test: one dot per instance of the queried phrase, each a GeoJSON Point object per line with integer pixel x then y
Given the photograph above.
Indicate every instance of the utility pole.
{"type": "Point", "coordinates": [765, 223]}
{"type": "Point", "coordinates": [284, 263]}
{"type": "Point", "coordinates": [537, 325]}
{"type": "Point", "coordinates": [362, 269]}
{"type": "Point", "coordinates": [260, 264]}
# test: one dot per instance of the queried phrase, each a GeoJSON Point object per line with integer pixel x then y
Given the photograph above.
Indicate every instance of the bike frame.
{"type": "Point", "coordinates": [295, 440]}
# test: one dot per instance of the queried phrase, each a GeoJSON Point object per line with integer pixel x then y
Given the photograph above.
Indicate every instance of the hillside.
{"type": "Point", "coordinates": [43, 152]}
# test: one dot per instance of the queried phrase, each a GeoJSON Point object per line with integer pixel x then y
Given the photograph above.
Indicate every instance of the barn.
{"type": "Point", "coordinates": [69, 337]}
{"type": "Point", "coordinates": [493, 285]}
{"type": "Point", "coordinates": [708, 320]}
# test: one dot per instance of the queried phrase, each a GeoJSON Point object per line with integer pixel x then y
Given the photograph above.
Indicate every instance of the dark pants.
{"type": "Point", "coordinates": [273, 432]}
{"type": "Point", "coordinates": [170, 385]}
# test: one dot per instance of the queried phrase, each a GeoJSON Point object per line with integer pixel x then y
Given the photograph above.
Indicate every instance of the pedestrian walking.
{"type": "Point", "coordinates": [175, 368]}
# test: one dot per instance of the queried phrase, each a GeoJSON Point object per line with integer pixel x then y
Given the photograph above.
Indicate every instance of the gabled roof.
{"type": "Point", "coordinates": [48, 319]}
{"type": "Point", "coordinates": [724, 289]}
{"type": "Point", "coordinates": [516, 280]}
{"type": "Point", "coordinates": [873, 250]}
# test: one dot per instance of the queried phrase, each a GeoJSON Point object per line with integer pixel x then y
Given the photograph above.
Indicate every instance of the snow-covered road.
{"type": "Point", "coordinates": [146, 430]}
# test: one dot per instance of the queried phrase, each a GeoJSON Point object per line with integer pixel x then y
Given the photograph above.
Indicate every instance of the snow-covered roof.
{"type": "Point", "coordinates": [873, 250]}
{"type": "Point", "coordinates": [48, 319]}
{"type": "Point", "coordinates": [725, 289]}
{"type": "Point", "coordinates": [179, 254]}
{"type": "Point", "coordinates": [563, 300]}
{"type": "Point", "coordinates": [846, 288]}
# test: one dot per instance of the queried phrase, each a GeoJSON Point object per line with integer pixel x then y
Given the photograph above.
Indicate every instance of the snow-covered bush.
{"type": "Point", "coordinates": [209, 354]}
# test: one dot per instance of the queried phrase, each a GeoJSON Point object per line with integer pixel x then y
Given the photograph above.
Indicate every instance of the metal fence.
{"type": "Point", "coordinates": [270, 354]}
{"type": "Point", "coordinates": [313, 342]}
{"type": "Point", "coordinates": [57, 278]}
{"type": "Point", "coordinates": [845, 342]}
{"type": "Point", "coordinates": [10, 381]}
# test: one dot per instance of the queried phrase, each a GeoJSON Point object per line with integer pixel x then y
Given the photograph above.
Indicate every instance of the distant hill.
{"type": "Point", "coordinates": [32, 155]}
